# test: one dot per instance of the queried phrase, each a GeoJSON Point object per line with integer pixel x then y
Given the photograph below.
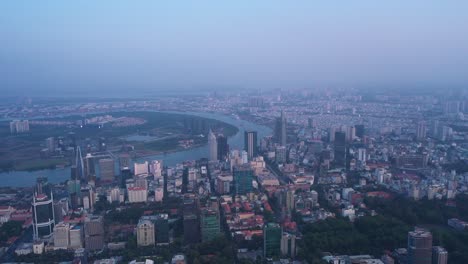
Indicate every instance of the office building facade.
{"type": "Point", "coordinates": [271, 240]}
{"type": "Point", "coordinates": [243, 177]}
{"type": "Point", "coordinates": [250, 144]}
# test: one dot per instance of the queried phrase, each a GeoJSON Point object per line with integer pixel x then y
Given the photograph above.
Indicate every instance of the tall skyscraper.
{"type": "Point", "coordinates": [419, 247]}
{"type": "Point", "coordinates": [74, 190]}
{"type": "Point", "coordinates": [250, 143]}
{"type": "Point", "coordinates": [209, 224]}
{"type": "Point", "coordinates": [288, 245]}
{"type": "Point", "coordinates": [271, 240]}
{"type": "Point", "coordinates": [280, 130]}
{"type": "Point", "coordinates": [311, 122]}
{"type": "Point", "coordinates": [89, 166]}
{"type": "Point", "coordinates": [156, 169]}
{"type": "Point", "coordinates": [141, 168]}
{"type": "Point", "coordinates": [223, 147]}
{"type": "Point", "coordinates": [60, 209]}
{"type": "Point", "coordinates": [42, 186]}
{"type": "Point", "coordinates": [94, 232]}
{"type": "Point", "coordinates": [76, 237]}
{"type": "Point", "coordinates": [106, 170]}
{"type": "Point", "coordinates": [331, 134]}
{"type": "Point", "coordinates": [145, 233]}
{"type": "Point", "coordinates": [212, 146]}
{"type": "Point", "coordinates": [191, 221]}
{"type": "Point", "coordinates": [161, 226]}
{"type": "Point", "coordinates": [50, 144]}
{"type": "Point", "coordinates": [421, 130]}
{"type": "Point", "coordinates": [280, 154]}
{"type": "Point", "coordinates": [87, 197]}
{"type": "Point", "coordinates": [61, 236]}
{"type": "Point", "coordinates": [43, 215]}
{"type": "Point", "coordinates": [362, 156]}
{"type": "Point", "coordinates": [289, 200]}
{"type": "Point", "coordinates": [340, 148]}
{"type": "Point", "coordinates": [359, 131]}
{"type": "Point", "coordinates": [243, 176]}
{"type": "Point", "coordinates": [80, 171]}
{"type": "Point", "coordinates": [350, 133]}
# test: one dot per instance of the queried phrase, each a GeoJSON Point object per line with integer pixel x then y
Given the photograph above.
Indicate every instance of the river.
{"type": "Point", "coordinates": [28, 178]}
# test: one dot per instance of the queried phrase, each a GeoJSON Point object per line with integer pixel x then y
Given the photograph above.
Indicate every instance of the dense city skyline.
{"type": "Point", "coordinates": [244, 132]}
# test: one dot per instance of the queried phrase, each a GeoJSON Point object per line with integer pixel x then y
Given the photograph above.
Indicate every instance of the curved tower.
{"type": "Point", "coordinates": [43, 215]}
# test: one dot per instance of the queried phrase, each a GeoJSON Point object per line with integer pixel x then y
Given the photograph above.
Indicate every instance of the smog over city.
{"type": "Point", "coordinates": [234, 132]}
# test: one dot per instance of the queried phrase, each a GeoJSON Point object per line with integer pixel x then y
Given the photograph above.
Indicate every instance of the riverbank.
{"type": "Point", "coordinates": [169, 133]}
{"type": "Point", "coordinates": [236, 141]}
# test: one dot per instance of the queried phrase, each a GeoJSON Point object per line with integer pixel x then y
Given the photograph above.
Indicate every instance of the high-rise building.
{"type": "Point", "coordinates": [280, 130]}
{"type": "Point", "coordinates": [223, 183]}
{"type": "Point", "coordinates": [350, 133]}
{"type": "Point", "coordinates": [223, 147]}
{"type": "Point", "coordinates": [445, 133]}
{"type": "Point", "coordinates": [50, 144]}
{"type": "Point", "coordinates": [209, 224]}
{"type": "Point", "coordinates": [250, 143]}
{"type": "Point", "coordinates": [340, 148]}
{"type": "Point", "coordinates": [61, 235]}
{"type": "Point", "coordinates": [161, 225]}
{"type": "Point", "coordinates": [42, 185]}
{"type": "Point", "coordinates": [243, 177]}
{"type": "Point", "coordinates": [359, 131]}
{"type": "Point", "coordinates": [106, 170]}
{"type": "Point", "coordinates": [311, 123]}
{"type": "Point", "coordinates": [156, 168]}
{"type": "Point", "coordinates": [362, 155]}
{"type": "Point", "coordinates": [80, 171]}
{"type": "Point", "coordinates": [19, 126]}
{"type": "Point", "coordinates": [191, 221]}
{"type": "Point", "coordinates": [113, 195]}
{"type": "Point", "coordinates": [331, 134]}
{"type": "Point", "coordinates": [87, 197]}
{"type": "Point", "coordinates": [289, 199]}
{"type": "Point", "coordinates": [124, 161]}
{"type": "Point", "coordinates": [419, 247]}
{"type": "Point", "coordinates": [271, 240]}
{"type": "Point", "coordinates": [451, 107]}
{"type": "Point", "coordinates": [145, 233]}
{"type": "Point", "coordinates": [141, 168]}
{"type": "Point", "coordinates": [212, 146]}
{"type": "Point", "coordinates": [94, 232]}
{"type": "Point", "coordinates": [288, 245]}
{"type": "Point", "coordinates": [125, 174]}
{"type": "Point", "coordinates": [439, 255]}
{"type": "Point", "coordinates": [421, 130]}
{"type": "Point", "coordinates": [60, 209]}
{"type": "Point", "coordinates": [76, 237]}
{"type": "Point", "coordinates": [137, 194]}
{"type": "Point", "coordinates": [43, 215]}
{"type": "Point", "coordinates": [153, 230]}
{"type": "Point", "coordinates": [68, 236]}
{"type": "Point", "coordinates": [158, 194]}
{"type": "Point", "coordinates": [280, 154]}
{"type": "Point", "coordinates": [74, 190]}
{"type": "Point", "coordinates": [89, 166]}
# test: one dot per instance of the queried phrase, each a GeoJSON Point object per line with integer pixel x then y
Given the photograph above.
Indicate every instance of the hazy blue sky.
{"type": "Point", "coordinates": [108, 46]}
